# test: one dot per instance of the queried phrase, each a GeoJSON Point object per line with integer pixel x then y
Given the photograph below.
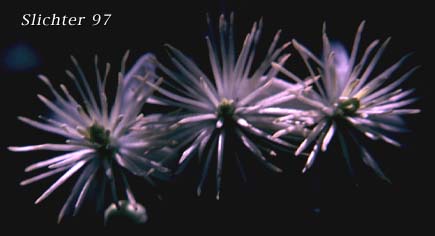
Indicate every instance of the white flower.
{"type": "Point", "coordinates": [232, 107]}
{"type": "Point", "coordinates": [101, 142]}
{"type": "Point", "coordinates": [347, 97]}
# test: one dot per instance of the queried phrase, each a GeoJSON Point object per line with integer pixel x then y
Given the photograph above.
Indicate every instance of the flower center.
{"type": "Point", "coordinates": [100, 136]}
{"type": "Point", "coordinates": [347, 106]}
{"type": "Point", "coordinates": [226, 109]}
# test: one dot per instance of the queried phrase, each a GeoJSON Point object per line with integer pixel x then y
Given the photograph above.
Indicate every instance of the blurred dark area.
{"type": "Point", "coordinates": [326, 198]}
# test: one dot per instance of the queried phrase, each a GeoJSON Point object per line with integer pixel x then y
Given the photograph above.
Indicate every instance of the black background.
{"type": "Point", "coordinates": [326, 198]}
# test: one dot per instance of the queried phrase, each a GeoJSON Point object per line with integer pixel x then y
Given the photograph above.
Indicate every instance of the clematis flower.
{"type": "Point", "coordinates": [103, 143]}
{"type": "Point", "coordinates": [347, 96]}
{"type": "Point", "coordinates": [232, 109]}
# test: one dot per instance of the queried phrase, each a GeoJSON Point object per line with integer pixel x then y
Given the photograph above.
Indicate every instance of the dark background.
{"type": "Point", "coordinates": [326, 198]}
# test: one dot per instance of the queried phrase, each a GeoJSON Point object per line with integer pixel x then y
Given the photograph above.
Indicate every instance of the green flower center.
{"type": "Point", "coordinates": [100, 136]}
{"type": "Point", "coordinates": [347, 106]}
{"type": "Point", "coordinates": [226, 109]}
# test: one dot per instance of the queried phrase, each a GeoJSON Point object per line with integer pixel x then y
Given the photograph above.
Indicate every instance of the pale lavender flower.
{"type": "Point", "coordinates": [346, 96]}
{"type": "Point", "coordinates": [102, 143]}
{"type": "Point", "coordinates": [233, 104]}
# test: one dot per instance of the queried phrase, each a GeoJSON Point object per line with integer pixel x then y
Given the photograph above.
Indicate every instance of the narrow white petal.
{"type": "Point", "coordinates": [313, 154]}
{"type": "Point", "coordinates": [46, 127]}
{"type": "Point", "coordinates": [306, 53]}
{"type": "Point", "coordinates": [355, 46]}
{"type": "Point", "coordinates": [57, 159]}
{"type": "Point", "coordinates": [369, 161]}
{"type": "Point", "coordinates": [78, 186]}
{"type": "Point", "coordinates": [206, 166]}
{"type": "Point", "coordinates": [220, 157]}
{"type": "Point", "coordinates": [188, 152]}
{"type": "Point", "coordinates": [188, 63]}
{"type": "Point", "coordinates": [57, 110]}
{"type": "Point", "coordinates": [60, 181]}
{"type": "Point", "coordinates": [42, 176]}
{"type": "Point", "coordinates": [180, 98]}
{"type": "Point", "coordinates": [255, 93]}
{"type": "Point", "coordinates": [196, 118]}
{"type": "Point", "coordinates": [372, 65]}
{"type": "Point", "coordinates": [214, 61]}
{"type": "Point", "coordinates": [251, 129]}
{"type": "Point", "coordinates": [283, 132]}
{"type": "Point", "coordinates": [328, 137]}
{"type": "Point", "coordinates": [311, 158]}
{"type": "Point", "coordinates": [46, 146]}
{"type": "Point", "coordinates": [391, 86]}
{"type": "Point", "coordinates": [380, 79]}
{"type": "Point", "coordinates": [257, 153]}
{"type": "Point", "coordinates": [83, 193]}
{"type": "Point", "coordinates": [138, 159]}
{"type": "Point", "coordinates": [353, 80]}
{"type": "Point", "coordinates": [85, 155]}
{"type": "Point", "coordinates": [311, 137]}
{"type": "Point", "coordinates": [287, 73]}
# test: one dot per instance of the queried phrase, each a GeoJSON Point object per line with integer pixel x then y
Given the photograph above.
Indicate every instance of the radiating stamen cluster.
{"type": "Point", "coordinates": [235, 101]}
{"type": "Point", "coordinates": [102, 143]}
{"type": "Point", "coordinates": [346, 94]}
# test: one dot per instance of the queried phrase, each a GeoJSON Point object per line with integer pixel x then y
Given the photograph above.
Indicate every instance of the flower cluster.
{"type": "Point", "coordinates": [241, 105]}
{"type": "Point", "coordinates": [347, 98]}
{"type": "Point", "coordinates": [103, 143]}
